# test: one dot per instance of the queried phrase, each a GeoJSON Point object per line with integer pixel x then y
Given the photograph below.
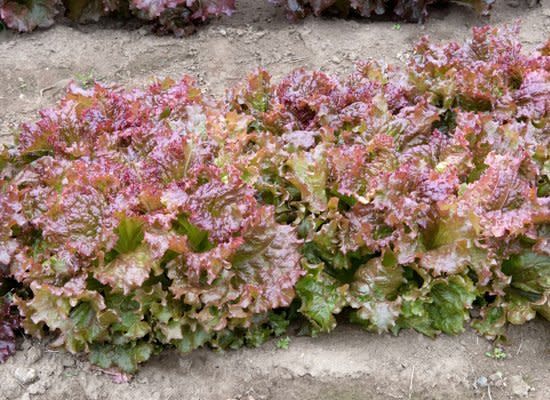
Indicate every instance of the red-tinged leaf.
{"type": "Point", "coordinates": [248, 275]}
{"type": "Point", "coordinates": [190, 273]}
{"type": "Point", "coordinates": [533, 97]}
{"type": "Point", "coordinates": [377, 316]}
{"type": "Point", "coordinates": [505, 195]}
{"type": "Point", "coordinates": [268, 263]}
{"type": "Point", "coordinates": [309, 99]}
{"type": "Point", "coordinates": [357, 170]}
{"type": "Point", "coordinates": [11, 216]}
{"type": "Point", "coordinates": [26, 16]}
{"type": "Point", "coordinates": [81, 221]}
{"type": "Point", "coordinates": [414, 124]}
{"type": "Point", "coordinates": [128, 271]}
{"type": "Point", "coordinates": [455, 258]}
{"type": "Point", "coordinates": [380, 278]}
{"type": "Point", "coordinates": [51, 306]}
{"type": "Point", "coordinates": [253, 95]}
{"type": "Point", "coordinates": [199, 9]}
{"type": "Point", "coordinates": [221, 209]}
{"type": "Point", "coordinates": [9, 322]}
{"type": "Point", "coordinates": [405, 9]}
{"type": "Point", "coordinates": [179, 16]}
{"type": "Point", "coordinates": [160, 242]}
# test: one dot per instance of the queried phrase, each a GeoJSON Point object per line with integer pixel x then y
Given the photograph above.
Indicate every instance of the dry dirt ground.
{"type": "Point", "coordinates": [348, 364]}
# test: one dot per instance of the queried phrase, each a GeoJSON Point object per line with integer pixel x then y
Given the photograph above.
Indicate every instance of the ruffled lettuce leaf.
{"type": "Point", "coordinates": [529, 287]}
{"type": "Point", "coordinates": [321, 297]}
{"type": "Point", "coordinates": [127, 233]}
{"type": "Point", "coordinates": [406, 9]}
{"type": "Point", "coordinates": [440, 306]}
{"type": "Point", "coordinates": [179, 16]}
{"type": "Point", "coordinates": [374, 293]}
{"type": "Point", "coordinates": [9, 322]}
{"type": "Point", "coordinates": [140, 220]}
{"type": "Point", "coordinates": [26, 15]}
{"type": "Point", "coordinates": [176, 16]}
{"type": "Point", "coordinates": [84, 11]}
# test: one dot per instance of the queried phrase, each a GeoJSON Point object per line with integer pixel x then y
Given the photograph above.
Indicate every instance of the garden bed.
{"type": "Point", "coordinates": [39, 66]}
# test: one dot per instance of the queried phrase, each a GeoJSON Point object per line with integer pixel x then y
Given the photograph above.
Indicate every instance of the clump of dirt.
{"type": "Point", "coordinates": [347, 364]}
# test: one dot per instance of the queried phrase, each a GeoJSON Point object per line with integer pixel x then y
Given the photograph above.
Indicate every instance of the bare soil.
{"type": "Point", "coordinates": [347, 364]}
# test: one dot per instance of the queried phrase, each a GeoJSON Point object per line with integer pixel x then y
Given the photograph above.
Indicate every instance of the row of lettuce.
{"type": "Point", "coordinates": [180, 17]}
{"type": "Point", "coordinates": [414, 197]}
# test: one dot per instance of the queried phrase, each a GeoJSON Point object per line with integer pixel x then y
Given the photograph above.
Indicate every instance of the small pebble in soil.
{"type": "Point", "coordinates": [26, 376]}
{"type": "Point", "coordinates": [482, 382]}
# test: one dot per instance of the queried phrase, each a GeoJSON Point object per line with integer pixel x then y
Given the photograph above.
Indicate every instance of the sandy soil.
{"type": "Point", "coordinates": [348, 364]}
